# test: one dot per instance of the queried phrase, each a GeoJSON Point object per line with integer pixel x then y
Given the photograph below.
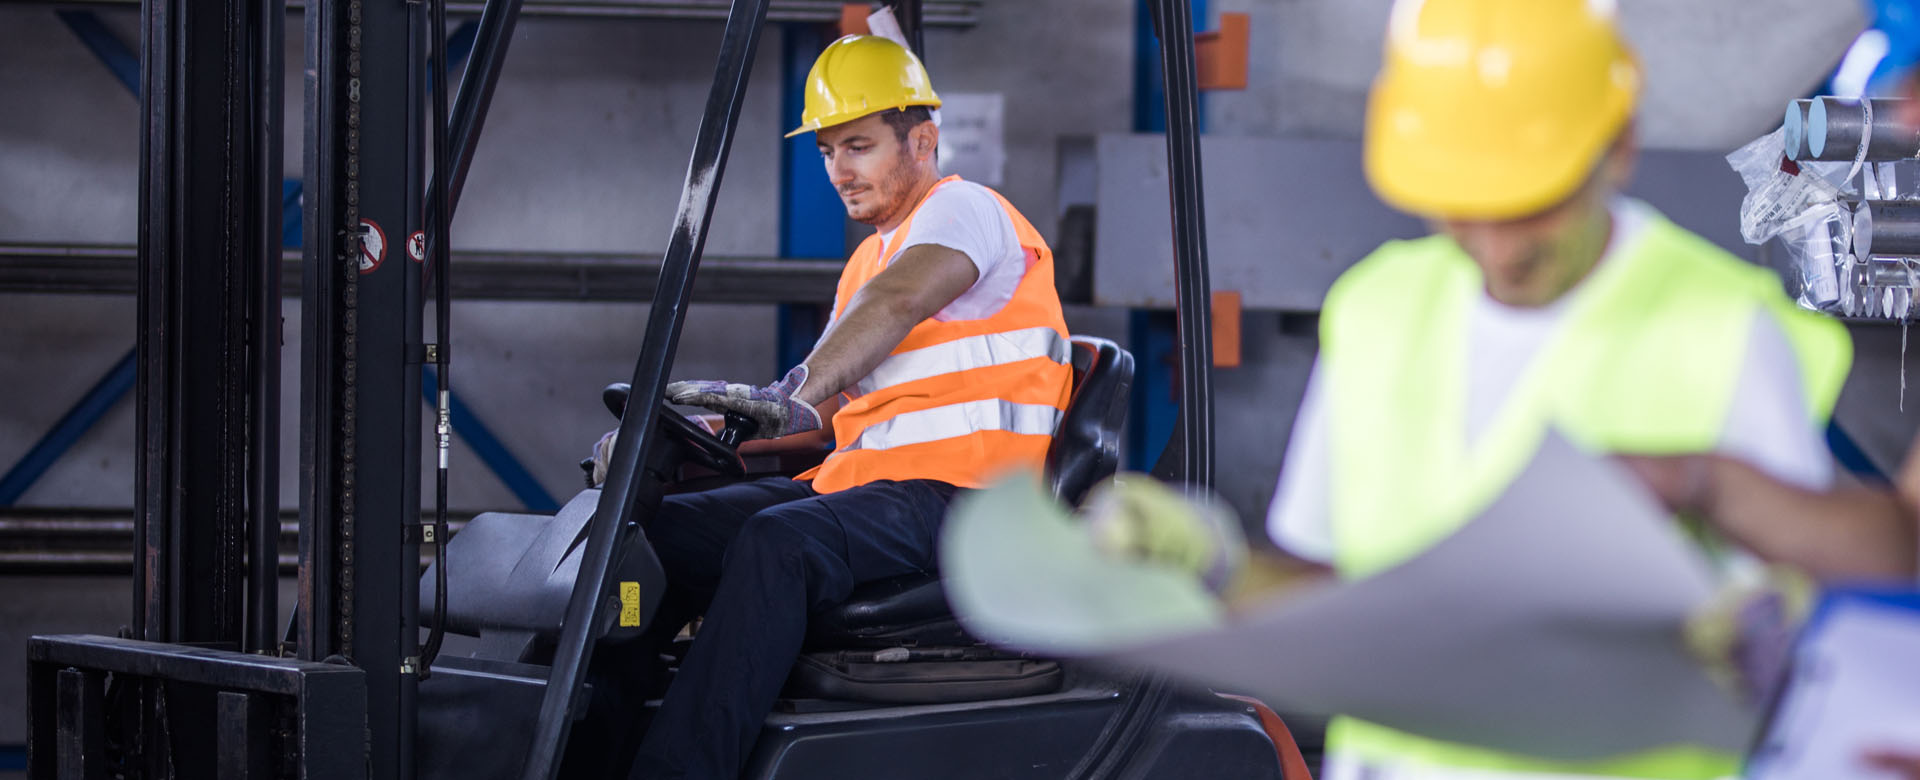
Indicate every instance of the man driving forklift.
{"type": "Point", "coordinates": [945, 364]}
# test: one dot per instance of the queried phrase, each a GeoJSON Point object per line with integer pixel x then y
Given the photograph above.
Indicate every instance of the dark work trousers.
{"type": "Point", "coordinates": [757, 558]}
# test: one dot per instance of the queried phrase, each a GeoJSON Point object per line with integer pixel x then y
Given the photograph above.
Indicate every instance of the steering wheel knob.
{"type": "Point", "coordinates": [739, 429]}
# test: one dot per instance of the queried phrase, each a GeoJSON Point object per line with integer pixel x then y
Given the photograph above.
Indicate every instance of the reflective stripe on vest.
{"type": "Point", "coordinates": [959, 401]}
{"type": "Point", "coordinates": [1646, 360]}
{"type": "Point", "coordinates": [946, 422]}
{"type": "Point", "coordinates": [966, 353]}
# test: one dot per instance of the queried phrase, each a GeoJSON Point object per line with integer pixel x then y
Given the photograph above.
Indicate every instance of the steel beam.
{"type": "Point", "coordinates": [484, 276]}
{"type": "Point", "coordinates": [85, 413]}
{"type": "Point", "coordinates": [100, 541]}
{"type": "Point", "coordinates": [112, 52]}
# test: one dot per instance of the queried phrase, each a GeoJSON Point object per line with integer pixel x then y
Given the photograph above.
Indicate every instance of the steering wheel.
{"type": "Point", "coordinates": [714, 452]}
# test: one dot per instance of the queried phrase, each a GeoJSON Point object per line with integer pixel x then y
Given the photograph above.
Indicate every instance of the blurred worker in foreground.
{"type": "Point", "coordinates": [948, 345]}
{"type": "Point", "coordinates": [1545, 299]}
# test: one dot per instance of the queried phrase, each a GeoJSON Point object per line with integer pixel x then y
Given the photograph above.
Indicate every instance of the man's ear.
{"type": "Point", "coordinates": [1623, 157]}
{"type": "Point", "coordinates": [925, 140]}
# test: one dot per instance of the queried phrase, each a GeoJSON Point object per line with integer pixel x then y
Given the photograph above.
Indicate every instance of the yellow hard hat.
{"type": "Point", "coordinates": [860, 75]}
{"type": "Point", "coordinates": [1494, 109]}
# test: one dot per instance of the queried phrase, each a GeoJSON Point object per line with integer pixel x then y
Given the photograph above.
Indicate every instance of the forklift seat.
{"type": "Point", "coordinates": [912, 610]}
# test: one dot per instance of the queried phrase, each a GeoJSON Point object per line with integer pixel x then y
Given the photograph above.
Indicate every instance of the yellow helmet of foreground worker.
{"type": "Point", "coordinates": [860, 75]}
{"type": "Point", "coordinates": [1494, 109]}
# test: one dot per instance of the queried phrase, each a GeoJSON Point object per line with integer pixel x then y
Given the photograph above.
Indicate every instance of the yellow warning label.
{"type": "Point", "coordinates": [630, 604]}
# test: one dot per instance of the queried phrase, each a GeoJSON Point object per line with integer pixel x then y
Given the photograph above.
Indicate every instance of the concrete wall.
{"type": "Point", "coordinates": [69, 137]}
{"type": "Point", "coordinates": [1718, 72]}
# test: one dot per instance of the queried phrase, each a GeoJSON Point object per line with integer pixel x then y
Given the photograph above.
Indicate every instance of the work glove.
{"type": "Point", "coordinates": [773, 407]}
{"type": "Point", "coordinates": [1135, 517]}
{"type": "Point", "coordinates": [602, 456]}
{"type": "Point", "coordinates": [1745, 634]}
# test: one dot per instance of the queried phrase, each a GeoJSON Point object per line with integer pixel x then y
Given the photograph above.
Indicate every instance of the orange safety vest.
{"type": "Point", "coordinates": [960, 402]}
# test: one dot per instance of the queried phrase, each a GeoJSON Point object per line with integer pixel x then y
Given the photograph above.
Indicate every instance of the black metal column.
{"type": "Point", "coordinates": [327, 278]}
{"type": "Point", "coordinates": [1188, 457]}
{"type": "Point", "coordinates": [361, 359]}
{"type": "Point", "coordinates": [266, 66]}
{"type": "Point", "coordinates": [208, 315]}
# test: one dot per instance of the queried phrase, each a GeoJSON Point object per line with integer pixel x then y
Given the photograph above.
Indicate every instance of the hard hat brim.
{"type": "Point", "coordinates": [830, 121]}
{"type": "Point", "coordinates": [1420, 158]}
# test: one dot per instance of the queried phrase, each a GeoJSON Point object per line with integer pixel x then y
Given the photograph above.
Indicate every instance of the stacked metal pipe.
{"type": "Point", "coordinates": [1835, 129]}
{"type": "Point", "coordinates": [1878, 254]}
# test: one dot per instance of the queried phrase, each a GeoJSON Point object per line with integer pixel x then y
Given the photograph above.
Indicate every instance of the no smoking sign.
{"type": "Point", "coordinates": [373, 246]}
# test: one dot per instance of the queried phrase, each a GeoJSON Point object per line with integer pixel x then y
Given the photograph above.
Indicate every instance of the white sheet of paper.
{"type": "Point", "coordinates": [1855, 687]}
{"type": "Point", "coordinates": [1550, 625]}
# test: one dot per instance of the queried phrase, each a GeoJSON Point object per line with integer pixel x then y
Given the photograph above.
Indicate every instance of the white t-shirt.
{"type": "Point", "coordinates": [1767, 424]}
{"type": "Point", "coordinates": [966, 218]}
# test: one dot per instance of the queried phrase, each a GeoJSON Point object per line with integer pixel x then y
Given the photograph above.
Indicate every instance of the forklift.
{"type": "Point", "coordinates": [528, 618]}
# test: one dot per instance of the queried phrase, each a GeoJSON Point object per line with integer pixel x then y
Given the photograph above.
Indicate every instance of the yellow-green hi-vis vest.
{"type": "Point", "coordinates": [1645, 360]}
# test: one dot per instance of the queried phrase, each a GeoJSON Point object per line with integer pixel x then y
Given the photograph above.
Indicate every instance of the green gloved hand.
{"type": "Point", "coordinates": [1136, 517]}
{"type": "Point", "coordinates": [1744, 635]}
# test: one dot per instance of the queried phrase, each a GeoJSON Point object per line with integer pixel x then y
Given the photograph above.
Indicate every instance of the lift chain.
{"type": "Point", "coordinates": [349, 265]}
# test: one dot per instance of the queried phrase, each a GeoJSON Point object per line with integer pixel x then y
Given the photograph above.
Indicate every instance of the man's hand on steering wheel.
{"type": "Point", "coordinates": [773, 407]}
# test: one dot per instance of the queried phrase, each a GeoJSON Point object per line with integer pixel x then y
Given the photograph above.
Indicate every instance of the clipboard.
{"type": "Point", "coordinates": [1854, 685]}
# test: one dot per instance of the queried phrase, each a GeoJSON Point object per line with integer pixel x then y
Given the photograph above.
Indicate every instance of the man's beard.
{"type": "Point", "coordinates": [892, 192]}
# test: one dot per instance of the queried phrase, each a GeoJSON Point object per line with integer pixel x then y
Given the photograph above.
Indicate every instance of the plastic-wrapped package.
{"type": "Point", "coordinates": [1805, 205]}
{"type": "Point", "coordinates": [1782, 195]}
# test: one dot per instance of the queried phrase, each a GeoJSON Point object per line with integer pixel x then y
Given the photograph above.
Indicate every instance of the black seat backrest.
{"type": "Point", "coordinates": [1086, 445]}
